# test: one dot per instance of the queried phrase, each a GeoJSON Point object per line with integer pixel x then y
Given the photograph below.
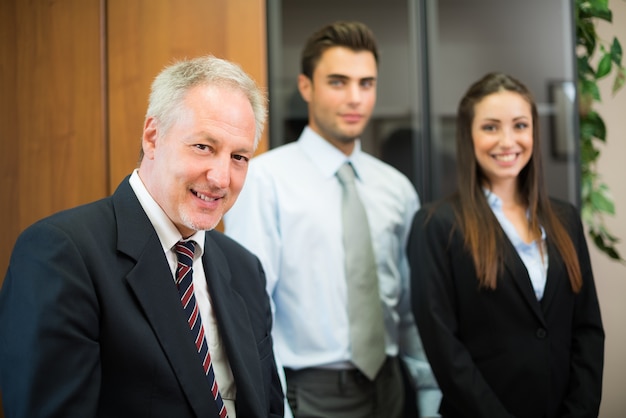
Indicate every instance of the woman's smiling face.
{"type": "Point", "coordinates": [502, 132]}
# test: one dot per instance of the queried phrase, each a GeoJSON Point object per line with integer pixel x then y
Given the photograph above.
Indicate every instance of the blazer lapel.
{"type": "Point", "coordinates": [519, 274]}
{"type": "Point", "coordinates": [153, 285]}
{"type": "Point", "coordinates": [556, 273]}
{"type": "Point", "coordinates": [235, 329]}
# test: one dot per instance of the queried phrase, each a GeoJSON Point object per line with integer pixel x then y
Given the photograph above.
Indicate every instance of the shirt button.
{"type": "Point", "coordinates": [541, 333]}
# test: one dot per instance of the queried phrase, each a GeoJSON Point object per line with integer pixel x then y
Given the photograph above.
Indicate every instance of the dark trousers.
{"type": "Point", "coordinates": [325, 393]}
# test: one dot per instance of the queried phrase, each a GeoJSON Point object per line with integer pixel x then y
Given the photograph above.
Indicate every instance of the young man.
{"type": "Point", "coordinates": [132, 305]}
{"type": "Point", "coordinates": [341, 349]}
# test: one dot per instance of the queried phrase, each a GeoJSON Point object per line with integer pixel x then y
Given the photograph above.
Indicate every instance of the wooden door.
{"type": "Point", "coordinates": [146, 35]}
{"type": "Point", "coordinates": [51, 105]}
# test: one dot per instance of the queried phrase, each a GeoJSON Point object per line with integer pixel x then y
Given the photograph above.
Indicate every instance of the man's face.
{"type": "Point", "coordinates": [341, 96]}
{"type": "Point", "coordinates": [196, 169]}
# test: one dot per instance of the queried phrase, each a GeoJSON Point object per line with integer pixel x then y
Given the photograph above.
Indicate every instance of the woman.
{"type": "Point", "coordinates": [502, 287]}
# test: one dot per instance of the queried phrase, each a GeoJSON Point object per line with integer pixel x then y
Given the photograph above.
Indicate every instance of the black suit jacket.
{"type": "Point", "coordinates": [501, 353]}
{"type": "Point", "coordinates": [91, 323]}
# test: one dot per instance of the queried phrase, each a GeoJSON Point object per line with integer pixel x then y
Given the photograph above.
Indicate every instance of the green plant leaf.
{"type": "Point", "coordinates": [603, 189]}
{"type": "Point", "coordinates": [620, 79]}
{"type": "Point", "coordinates": [601, 202]}
{"type": "Point", "coordinates": [612, 252]}
{"type": "Point", "coordinates": [608, 249]}
{"type": "Point", "coordinates": [587, 186]}
{"type": "Point", "coordinates": [589, 154]}
{"type": "Point", "coordinates": [586, 36]}
{"type": "Point", "coordinates": [607, 236]}
{"type": "Point", "coordinates": [584, 68]}
{"type": "Point", "coordinates": [604, 66]}
{"type": "Point", "coordinates": [592, 125]}
{"type": "Point", "coordinates": [599, 9]}
{"type": "Point", "coordinates": [616, 52]}
{"type": "Point", "coordinates": [590, 88]}
{"type": "Point", "coordinates": [596, 198]}
{"type": "Point", "coordinates": [597, 239]}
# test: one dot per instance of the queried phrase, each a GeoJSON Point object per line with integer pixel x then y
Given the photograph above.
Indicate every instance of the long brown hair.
{"type": "Point", "coordinates": [478, 224]}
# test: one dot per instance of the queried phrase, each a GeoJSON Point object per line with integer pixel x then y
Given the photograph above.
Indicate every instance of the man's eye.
{"type": "Point", "coordinates": [202, 147]}
{"type": "Point", "coordinates": [241, 158]}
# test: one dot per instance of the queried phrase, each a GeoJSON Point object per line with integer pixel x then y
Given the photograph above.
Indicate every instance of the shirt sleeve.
{"type": "Point", "coordinates": [411, 348]}
{"type": "Point", "coordinates": [49, 328]}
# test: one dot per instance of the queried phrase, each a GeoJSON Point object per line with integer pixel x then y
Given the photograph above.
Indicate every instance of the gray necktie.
{"type": "Point", "coordinates": [367, 331]}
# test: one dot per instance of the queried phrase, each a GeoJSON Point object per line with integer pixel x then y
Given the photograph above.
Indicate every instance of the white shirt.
{"type": "Point", "coordinates": [289, 215]}
{"type": "Point", "coordinates": [169, 235]}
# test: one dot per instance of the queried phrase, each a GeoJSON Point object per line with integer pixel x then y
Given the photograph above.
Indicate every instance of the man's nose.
{"type": "Point", "coordinates": [354, 93]}
{"type": "Point", "coordinates": [219, 171]}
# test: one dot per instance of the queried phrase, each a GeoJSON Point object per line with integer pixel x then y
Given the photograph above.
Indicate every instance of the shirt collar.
{"type": "Point", "coordinates": [495, 203]}
{"type": "Point", "coordinates": [166, 230]}
{"type": "Point", "coordinates": [326, 157]}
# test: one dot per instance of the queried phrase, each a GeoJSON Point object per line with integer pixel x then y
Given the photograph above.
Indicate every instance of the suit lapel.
{"type": "Point", "coordinates": [153, 285]}
{"type": "Point", "coordinates": [556, 273]}
{"type": "Point", "coordinates": [519, 275]}
{"type": "Point", "coordinates": [235, 328]}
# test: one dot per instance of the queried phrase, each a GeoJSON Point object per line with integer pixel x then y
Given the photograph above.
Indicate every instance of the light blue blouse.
{"type": "Point", "coordinates": [536, 261]}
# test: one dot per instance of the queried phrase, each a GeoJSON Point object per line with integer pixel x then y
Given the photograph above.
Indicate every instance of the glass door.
{"type": "Point", "coordinates": [394, 133]}
{"type": "Point", "coordinates": [430, 52]}
{"type": "Point", "coordinates": [531, 40]}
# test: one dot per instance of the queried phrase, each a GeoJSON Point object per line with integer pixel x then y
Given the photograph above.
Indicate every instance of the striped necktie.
{"type": "Point", "coordinates": [184, 282]}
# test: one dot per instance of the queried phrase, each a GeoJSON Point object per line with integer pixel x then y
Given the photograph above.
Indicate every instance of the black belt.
{"type": "Point", "coordinates": [341, 376]}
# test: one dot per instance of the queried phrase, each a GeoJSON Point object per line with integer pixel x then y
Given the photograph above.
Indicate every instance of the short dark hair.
{"type": "Point", "coordinates": [349, 34]}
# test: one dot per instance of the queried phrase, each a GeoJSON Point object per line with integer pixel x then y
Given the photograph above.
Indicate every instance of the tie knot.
{"type": "Point", "coordinates": [346, 174]}
{"type": "Point", "coordinates": [185, 251]}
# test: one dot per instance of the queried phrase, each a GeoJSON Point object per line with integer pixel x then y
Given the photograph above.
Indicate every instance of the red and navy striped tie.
{"type": "Point", "coordinates": [184, 272]}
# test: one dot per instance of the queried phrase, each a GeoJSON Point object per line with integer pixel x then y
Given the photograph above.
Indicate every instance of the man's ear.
{"type": "Point", "coordinates": [149, 138]}
{"type": "Point", "coordinates": [305, 86]}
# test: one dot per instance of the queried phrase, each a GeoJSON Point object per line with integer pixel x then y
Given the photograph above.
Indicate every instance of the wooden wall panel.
{"type": "Point", "coordinates": [52, 133]}
{"type": "Point", "coordinates": [9, 228]}
{"type": "Point", "coordinates": [51, 110]}
{"type": "Point", "coordinates": [9, 144]}
{"type": "Point", "coordinates": [146, 35]}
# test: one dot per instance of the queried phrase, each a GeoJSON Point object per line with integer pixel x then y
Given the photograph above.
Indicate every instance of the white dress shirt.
{"type": "Point", "coordinates": [169, 236]}
{"type": "Point", "coordinates": [289, 215]}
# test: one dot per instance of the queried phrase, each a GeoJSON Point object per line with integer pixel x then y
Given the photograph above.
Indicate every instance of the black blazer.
{"type": "Point", "coordinates": [91, 323]}
{"type": "Point", "coordinates": [501, 353]}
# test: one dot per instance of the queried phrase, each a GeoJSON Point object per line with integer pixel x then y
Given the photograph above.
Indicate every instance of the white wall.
{"type": "Point", "coordinates": [611, 276]}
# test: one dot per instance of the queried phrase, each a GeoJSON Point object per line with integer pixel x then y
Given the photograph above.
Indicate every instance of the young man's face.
{"type": "Point", "coordinates": [196, 169]}
{"type": "Point", "coordinates": [341, 96]}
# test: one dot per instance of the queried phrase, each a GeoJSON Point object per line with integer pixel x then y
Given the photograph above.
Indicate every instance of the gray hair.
{"type": "Point", "coordinates": [171, 85]}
